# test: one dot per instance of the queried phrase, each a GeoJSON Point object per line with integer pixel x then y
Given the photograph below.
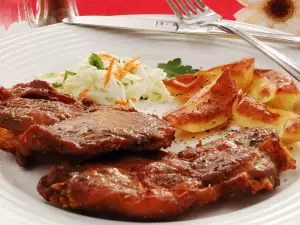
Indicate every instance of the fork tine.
{"type": "Point", "coordinates": [200, 4]}
{"type": "Point", "coordinates": [191, 5]}
{"type": "Point", "coordinates": [184, 8]}
{"type": "Point", "coordinates": [175, 9]}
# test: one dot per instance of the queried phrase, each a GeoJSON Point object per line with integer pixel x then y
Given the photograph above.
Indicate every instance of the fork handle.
{"type": "Point", "coordinates": [287, 64]}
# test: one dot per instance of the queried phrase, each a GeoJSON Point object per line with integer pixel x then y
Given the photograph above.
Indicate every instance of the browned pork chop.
{"type": "Point", "coordinates": [32, 103]}
{"type": "Point", "coordinates": [105, 130]}
{"type": "Point", "coordinates": [35, 89]}
{"type": "Point", "coordinates": [18, 114]}
{"type": "Point", "coordinates": [163, 185]}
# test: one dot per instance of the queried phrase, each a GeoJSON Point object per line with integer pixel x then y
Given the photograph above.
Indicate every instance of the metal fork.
{"type": "Point", "coordinates": [198, 13]}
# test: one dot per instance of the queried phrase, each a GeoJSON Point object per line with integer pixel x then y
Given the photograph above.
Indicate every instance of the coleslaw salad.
{"type": "Point", "coordinates": [108, 79]}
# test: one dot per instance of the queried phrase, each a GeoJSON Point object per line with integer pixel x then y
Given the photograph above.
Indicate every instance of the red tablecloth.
{"type": "Point", "coordinates": [120, 7]}
{"type": "Point", "coordinates": [114, 7]}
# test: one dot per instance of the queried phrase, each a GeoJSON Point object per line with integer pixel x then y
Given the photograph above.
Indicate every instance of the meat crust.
{"type": "Point", "coordinates": [103, 130]}
{"type": "Point", "coordinates": [32, 103]}
{"type": "Point", "coordinates": [161, 186]}
{"type": "Point", "coordinates": [18, 114]}
{"type": "Point", "coordinates": [39, 89]}
{"type": "Point", "coordinates": [9, 140]}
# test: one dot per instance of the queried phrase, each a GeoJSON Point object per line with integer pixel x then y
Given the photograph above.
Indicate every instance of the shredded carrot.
{"type": "Point", "coordinates": [105, 55]}
{"type": "Point", "coordinates": [83, 93]}
{"type": "Point", "coordinates": [109, 72]}
{"type": "Point", "coordinates": [122, 74]}
{"type": "Point", "coordinates": [133, 67]}
{"type": "Point", "coordinates": [62, 75]}
{"type": "Point", "coordinates": [119, 72]}
{"type": "Point", "coordinates": [133, 99]}
{"type": "Point", "coordinates": [123, 103]}
{"type": "Point", "coordinates": [128, 67]}
{"type": "Point", "coordinates": [132, 61]}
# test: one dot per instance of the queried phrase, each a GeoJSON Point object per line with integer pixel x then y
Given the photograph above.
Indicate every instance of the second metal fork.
{"type": "Point", "coordinates": [198, 13]}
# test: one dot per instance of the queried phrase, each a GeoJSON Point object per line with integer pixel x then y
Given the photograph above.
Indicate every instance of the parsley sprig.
{"type": "Point", "coordinates": [175, 68]}
{"type": "Point", "coordinates": [57, 85]}
{"type": "Point", "coordinates": [69, 73]}
{"type": "Point", "coordinates": [96, 61]}
{"type": "Point", "coordinates": [66, 75]}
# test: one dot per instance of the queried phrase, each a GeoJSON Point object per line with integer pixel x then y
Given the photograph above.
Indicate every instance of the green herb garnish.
{"type": "Point", "coordinates": [96, 61]}
{"type": "Point", "coordinates": [69, 73]}
{"type": "Point", "coordinates": [175, 68]}
{"type": "Point", "coordinates": [57, 85]}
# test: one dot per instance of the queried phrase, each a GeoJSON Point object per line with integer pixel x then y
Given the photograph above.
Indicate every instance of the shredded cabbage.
{"type": "Point", "coordinates": [139, 81]}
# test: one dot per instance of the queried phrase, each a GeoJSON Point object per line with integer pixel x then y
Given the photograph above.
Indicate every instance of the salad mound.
{"type": "Point", "coordinates": [108, 79]}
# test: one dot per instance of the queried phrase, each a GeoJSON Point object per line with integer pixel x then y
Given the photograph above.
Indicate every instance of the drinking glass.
{"type": "Point", "coordinates": [20, 15]}
{"type": "Point", "coordinates": [54, 11]}
{"type": "Point", "coordinates": [15, 15]}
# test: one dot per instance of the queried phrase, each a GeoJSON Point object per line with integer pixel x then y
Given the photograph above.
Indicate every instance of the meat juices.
{"type": "Point", "coordinates": [102, 130]}
{"type": "Point", "coordinates": [161, 186]}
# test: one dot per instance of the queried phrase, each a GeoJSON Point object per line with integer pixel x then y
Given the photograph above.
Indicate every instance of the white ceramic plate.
{"type": "Point", "coordinates": [59, 47]}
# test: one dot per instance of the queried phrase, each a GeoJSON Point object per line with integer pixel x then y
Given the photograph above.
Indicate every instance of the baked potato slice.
{"type": "Point", "coordinates": [242, 72]}
{"type": "Point", "coordinates": [291, 131]}
{"type": "Point", "coordinates": [287, 94]}
{"type": "Point", "coordinates": [248, 112]}
{"type": "Point", "coordinates": [209, 108]}
{"type": "Point", "coordinates": [187, 85]}
{"type": "Point", "coordinates": [262, 89]}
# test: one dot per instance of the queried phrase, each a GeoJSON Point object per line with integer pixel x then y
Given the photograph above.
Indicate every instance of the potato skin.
{"type": "Point", "coordinates": [262, 89]}
{"type": "Point", "coordinates": [242, 72]}
{"type": "Point", "coordinates": [187, 85]}
{"type": "Point", "coordinates": [270, 100]}
{"type": "Point", "coordinates": [248, 112]}
{"type": "Point", "coordinates": [284, 94]}
{"type": "Point", "coordinates": [291, 131]}
{"type": "Point", "coordinates": [209, 108]}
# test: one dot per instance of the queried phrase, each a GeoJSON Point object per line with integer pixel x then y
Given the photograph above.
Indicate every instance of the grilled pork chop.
{"type": "Point", "coordinates": [18, 114]}
{"type": "Point", "coordinates": [104, 129]}
{"type": "Point", "coordinates": [32, 103]}
{"type": "Point", "coordinates": [35, 89]}
{"type": "Point", "coordinates": [163, 185]}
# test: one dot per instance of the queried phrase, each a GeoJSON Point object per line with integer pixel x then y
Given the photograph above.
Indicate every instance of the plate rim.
{"type": "Point", "coordinates": [213, 220]}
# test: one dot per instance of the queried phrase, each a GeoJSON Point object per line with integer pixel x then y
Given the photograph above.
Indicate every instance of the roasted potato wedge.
{"type": "Point", "coordinates": [248, 112]}
{"type": "Point", "coordinates": [261, 88]}
{"type": "Point", "coordinates": [242, 72]}
{"type": "Point", "coordinates": [291, 131]}
{"type": "Point", "coordinates": [187, 85]}
{"type": "Point", "coordinates": [209, 108]}
{"type": "Point", "coordinates": [274, 88]}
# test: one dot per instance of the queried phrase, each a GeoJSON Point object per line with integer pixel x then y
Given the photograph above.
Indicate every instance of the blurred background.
{"type": "Point", "coordinates": [9, 12]}
{"type": "Point", "coordinates": [278, 14]}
